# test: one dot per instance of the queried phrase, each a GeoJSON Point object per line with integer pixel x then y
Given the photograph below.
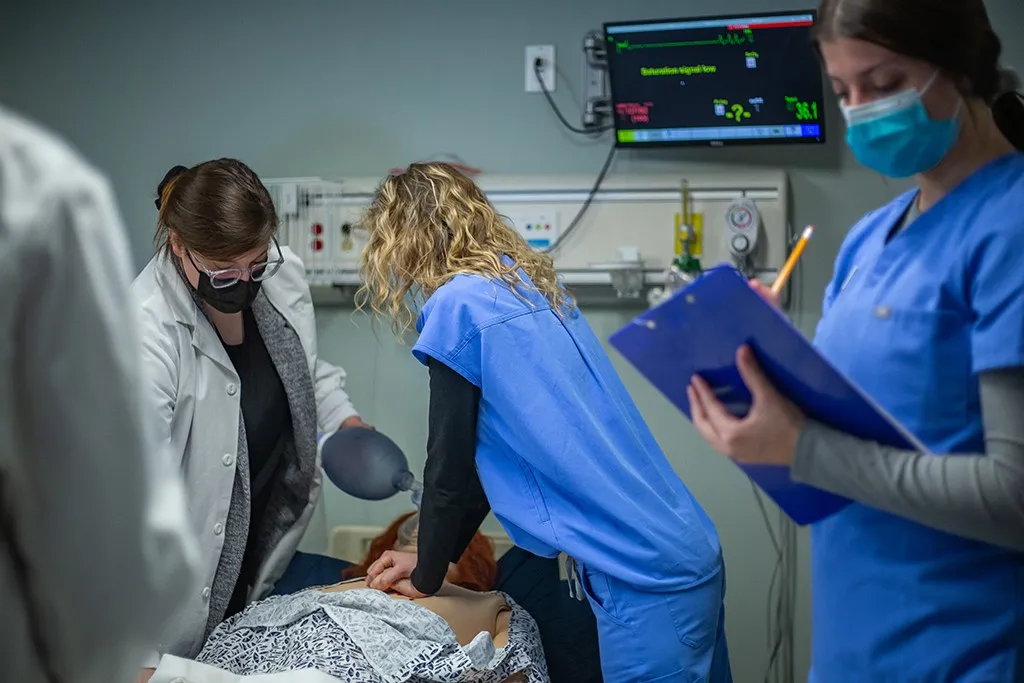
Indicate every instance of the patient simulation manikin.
{"type": "Point", "coordinates": [362, 635]}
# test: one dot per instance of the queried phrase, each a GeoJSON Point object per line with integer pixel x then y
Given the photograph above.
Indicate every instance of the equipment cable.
{"type": "Point", "coordinates": [781, 596]}
{"type": "Point", "coordinates": [605, 167]}
{"type": "Point", "coordinates": [538, 64]}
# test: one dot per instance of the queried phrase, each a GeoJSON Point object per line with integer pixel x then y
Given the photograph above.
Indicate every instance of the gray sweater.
{"type": "Point", "coordinates": [978, 496]}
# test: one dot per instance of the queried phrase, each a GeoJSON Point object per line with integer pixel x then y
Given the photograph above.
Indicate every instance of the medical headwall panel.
{"type": "Point", "coordinates": [635, 226]}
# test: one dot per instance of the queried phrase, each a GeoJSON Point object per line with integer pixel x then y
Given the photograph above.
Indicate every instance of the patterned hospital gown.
{"type": "Point", "coordinates": [364, 636]}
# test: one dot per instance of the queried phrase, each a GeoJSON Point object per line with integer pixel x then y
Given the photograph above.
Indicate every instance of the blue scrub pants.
{"type": "Point", "coordinates": [659, 637]}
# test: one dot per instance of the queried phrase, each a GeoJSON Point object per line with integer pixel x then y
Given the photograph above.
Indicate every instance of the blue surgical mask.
{"type": "Point", "coordinates": [896, 137]}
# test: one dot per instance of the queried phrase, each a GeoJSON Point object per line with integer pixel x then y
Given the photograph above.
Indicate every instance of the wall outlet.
{"type": "Point", "coordinates": [540, 229]}
{"type": "Point", "coordinates": [289, 199]}
{"type": "Point", "coordinates": [546, 53]}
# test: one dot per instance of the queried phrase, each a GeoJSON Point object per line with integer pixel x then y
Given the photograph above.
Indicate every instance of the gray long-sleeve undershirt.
{"type": "Point", "coordinates": [976, 496]}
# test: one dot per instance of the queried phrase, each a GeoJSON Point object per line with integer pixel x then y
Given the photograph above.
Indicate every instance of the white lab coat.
{"type": "Point", "coordinates": [98, 519]}
{"type": "Point", "coordinates": [196, 399]}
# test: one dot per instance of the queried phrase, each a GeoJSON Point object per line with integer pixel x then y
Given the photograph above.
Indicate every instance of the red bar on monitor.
{"type": "Point", "coordinates": [776, 24]}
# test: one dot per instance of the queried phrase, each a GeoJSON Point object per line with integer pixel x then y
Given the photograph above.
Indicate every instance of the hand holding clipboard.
{"type": "Point", "coordinates": [700, 329]}
{"type": "Point", "coordinates": [766, 433]}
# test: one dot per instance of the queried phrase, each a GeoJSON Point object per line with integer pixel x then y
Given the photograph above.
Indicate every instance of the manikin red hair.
{"type": "Point", "coordinates": [477, 569]}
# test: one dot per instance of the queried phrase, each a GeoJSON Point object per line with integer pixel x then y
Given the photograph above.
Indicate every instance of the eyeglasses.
{"type": "Point", "coordinates": [258, 272]}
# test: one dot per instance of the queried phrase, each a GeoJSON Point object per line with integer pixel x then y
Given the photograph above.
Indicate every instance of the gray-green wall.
{"type": "Point", "coordinates": [345, 87]}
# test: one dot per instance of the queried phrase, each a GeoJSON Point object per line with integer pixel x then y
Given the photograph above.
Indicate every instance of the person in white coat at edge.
{"type": "Point", "coordinates": [229, 332]}
{"type": "Point", "coordinates": [84, 498]}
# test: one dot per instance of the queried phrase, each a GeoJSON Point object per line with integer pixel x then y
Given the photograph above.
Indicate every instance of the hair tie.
{"type": "Point", "coordinates": [163, 190]}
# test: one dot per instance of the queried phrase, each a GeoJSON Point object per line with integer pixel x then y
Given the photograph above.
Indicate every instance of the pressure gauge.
{"type": "Point", "coordinates": [743, 221]}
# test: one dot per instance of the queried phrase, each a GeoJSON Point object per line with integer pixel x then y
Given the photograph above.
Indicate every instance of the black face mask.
{"type": "Point", "coordinates": [234, 299]}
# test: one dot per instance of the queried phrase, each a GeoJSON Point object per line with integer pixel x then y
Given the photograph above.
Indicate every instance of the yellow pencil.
{"type": "Point", "coordinates": [787, 270]}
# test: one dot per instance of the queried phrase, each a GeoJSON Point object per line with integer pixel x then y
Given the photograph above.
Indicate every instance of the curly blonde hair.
{"type": "Point", "coordinates": [431, 223]}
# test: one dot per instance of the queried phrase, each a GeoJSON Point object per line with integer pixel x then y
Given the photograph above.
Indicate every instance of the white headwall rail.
{"type": "Point", "coordinates": [632, 215]}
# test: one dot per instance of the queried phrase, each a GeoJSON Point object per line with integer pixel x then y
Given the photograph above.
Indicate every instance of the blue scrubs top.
{"type": "Point", "coordinates": [564, 457]}
{"type": "Point", "coordinates": [913, 322]}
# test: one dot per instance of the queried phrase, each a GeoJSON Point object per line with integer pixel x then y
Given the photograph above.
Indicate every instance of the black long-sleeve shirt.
{"type": "Point", "coordinates": [454, 503]}
{"type": "Point", "coordinates": [268, 426]}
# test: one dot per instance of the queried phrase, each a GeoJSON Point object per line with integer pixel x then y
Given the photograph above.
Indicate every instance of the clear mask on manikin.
{"type": "Point", "coordinates": [408, 534]}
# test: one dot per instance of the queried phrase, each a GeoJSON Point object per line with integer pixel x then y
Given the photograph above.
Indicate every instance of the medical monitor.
{"type": "Point", "coordinates": [714, 81]}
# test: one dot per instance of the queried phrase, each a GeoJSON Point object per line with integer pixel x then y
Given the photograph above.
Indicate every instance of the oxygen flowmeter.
{"type": "Point", "coordinates": [686, 266]}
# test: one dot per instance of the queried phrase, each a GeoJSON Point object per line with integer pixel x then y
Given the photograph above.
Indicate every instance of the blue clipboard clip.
{"type": "Point", "coordinates": [699, 329]}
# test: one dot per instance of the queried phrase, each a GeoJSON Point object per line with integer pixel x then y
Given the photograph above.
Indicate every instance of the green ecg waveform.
{"type": "Point", "coordinates": [746, 37]}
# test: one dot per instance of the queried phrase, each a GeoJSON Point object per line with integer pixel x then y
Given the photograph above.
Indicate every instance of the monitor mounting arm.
{"type": "Point", "coordinates": [596, 103]}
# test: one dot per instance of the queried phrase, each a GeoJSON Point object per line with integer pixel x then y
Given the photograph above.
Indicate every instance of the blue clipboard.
{"type": "Point", "coordinates": [699, 329]}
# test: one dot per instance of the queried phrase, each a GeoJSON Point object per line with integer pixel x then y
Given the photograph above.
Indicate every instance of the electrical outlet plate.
{"type": "Point", "coordinates": [540, 229]}
{"type": "Point", "coordinates": [547, 71]}
{"type": "Point", "coordinates": [289, 199]}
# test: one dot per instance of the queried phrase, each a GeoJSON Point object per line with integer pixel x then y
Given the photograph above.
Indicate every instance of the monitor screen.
{"type": "Point", "coordinates": [716, 81]}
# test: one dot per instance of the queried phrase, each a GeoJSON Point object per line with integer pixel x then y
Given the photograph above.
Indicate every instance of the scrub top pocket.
{"type": "Point", "coordinates": [530, 478]}
{"type": "Point", "coordinates": [917, 363]}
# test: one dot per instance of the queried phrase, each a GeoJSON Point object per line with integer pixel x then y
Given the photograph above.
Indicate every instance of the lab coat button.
{"type": "Point", "coordinates": [218, 528]}
{"type": "Point", "coordinates": [883, 312]}
{"type": "Point", "coordinates": [228, 460]}
{"type": "Point", "coordinates": [206, 593]}
{"type": "Point", "coordinates": [232, 390]}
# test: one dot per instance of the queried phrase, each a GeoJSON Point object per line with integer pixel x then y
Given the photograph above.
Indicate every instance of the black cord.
{"type": "Point", "coordinates": [770, 623]}
{"type": "Point", "coordinates": [764, 516]}
{"type": "Point", "coordinates": [586, 203]}
{"type": "Point", "coordinates": [781, 594]}
{"type": "Point", "coordinates": [537, 66]}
